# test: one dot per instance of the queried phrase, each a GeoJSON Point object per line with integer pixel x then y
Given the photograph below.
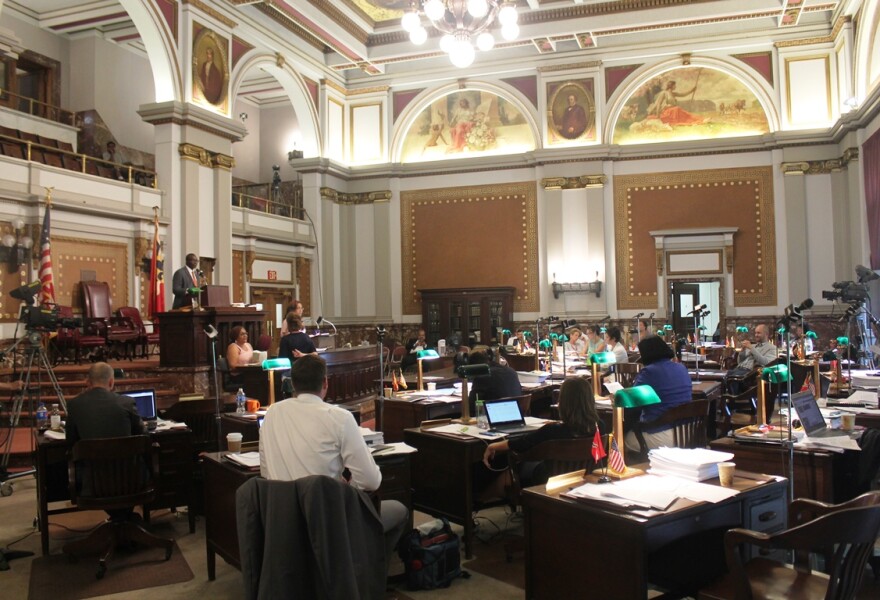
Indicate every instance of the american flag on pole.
{"type": "Point", "coordinates": [47, 286]}
{"type": "Point", "coordinates": [157, 274]}
{"type": "Point", "coordinates": [615, 458]}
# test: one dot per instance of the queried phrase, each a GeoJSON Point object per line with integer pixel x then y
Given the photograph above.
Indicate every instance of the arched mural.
{"type": "Point", "coordinates": [464, 123]}
{"type": "Point", "coordinates": [689, 103]}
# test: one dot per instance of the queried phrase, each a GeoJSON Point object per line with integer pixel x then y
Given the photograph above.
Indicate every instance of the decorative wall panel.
{"type": "Point", "coordinates": [75, 260]}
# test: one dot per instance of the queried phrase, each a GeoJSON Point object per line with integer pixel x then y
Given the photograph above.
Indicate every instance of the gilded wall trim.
{"type": "Point", "coordinates": [592, 64]}
{"type": "Point", "coordinates": [222, 161]}
{"type": "Point", "coordinates": [355, 197]}
{"type": "Point", "coordinates": [211, 12]}
{"type": "Point", "coordinates": [573, 183]}
{"type": "Point", "coordinates": [821, 167]}
{"type": "Point", "coordinates": [206, 158]}
{"type": "Point", "coordinates": [378, 89]}
{"type": "Point", "coordinates": [742, 197]}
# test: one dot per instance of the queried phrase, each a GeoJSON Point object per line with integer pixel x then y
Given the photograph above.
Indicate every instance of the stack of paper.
{"type": "Point", "coordinates": [251, 460]}
{"type": "Point", "coordinates": [695, 464]}
{"type": "Point", "coordinates": [866, 379]}
{"type": "Point", "coordinates": [372, 438]}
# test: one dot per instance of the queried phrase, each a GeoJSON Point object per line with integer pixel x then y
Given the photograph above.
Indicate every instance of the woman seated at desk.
{"type": "Point", "coordinates": [577, 410]}
{"type": "Point", "coordinates": [595, 343]}
{"type": "Point", "coordinates": [239, 352]}
{"type": "Point", "coordinates": [296, 343]}
{"type": "Point", "coordinates": [576, 343]}
{"type": "Point", "coordinates": [673, 385]}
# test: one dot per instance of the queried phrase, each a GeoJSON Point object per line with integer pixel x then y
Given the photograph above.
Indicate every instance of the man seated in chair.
{"type": "Point", "coordinates": [758, 354]}
{"type": "Point", "coordinates": [99, 412]}
{"type": "Point", "coordinates": [305, 436]}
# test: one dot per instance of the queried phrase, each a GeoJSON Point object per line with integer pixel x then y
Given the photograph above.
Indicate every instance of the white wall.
{"type": "Point", "coordinates": [278, 129]}
{"type": "Point", "coordinates": [247, 151]}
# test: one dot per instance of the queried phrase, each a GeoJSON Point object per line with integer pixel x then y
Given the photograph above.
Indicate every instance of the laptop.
{"type": "Point", "coordinates": [505, 416]}
{"type": "Point", "coordinates": [144, 402]}
{"type": "Point", "coordinates": [811, 417]}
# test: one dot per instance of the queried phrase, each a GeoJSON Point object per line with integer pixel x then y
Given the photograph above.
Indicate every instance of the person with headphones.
{"type": "Point", "coordinates": [501, 382]}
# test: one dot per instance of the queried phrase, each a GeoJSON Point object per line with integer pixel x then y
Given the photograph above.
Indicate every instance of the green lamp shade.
{"type": "Point", "coordinates": [603, 329]}
{"type": "Point", "coordinates": [780, 330]}
{"type": "Point", "coordinates": [843, 341]}
{"type": "Point", "coordinates": [776, 374]}
{"type": "Point", "coordinates": [667, 327]}
{"type": "Point", "coordinates": [636, 396]}
{"type": "Point", "coordinates": [427, 354]}
{"type": "Point", "coordinates": [702, 327]}
{"type": "Point", "coordinates": [603, 358]}
{"type": "Point", "coordinates": [811, 334]}
{"type": "Point", "coordinates": [544, 344]}
{"type": "Point", "coordinates": [554, 336]}
{"type": "Point", "coordinates": [527, 334]}
{"type": "Point", "coordinates": [505, 332]}
{"type": "Point", "coordinates": [661, 332]}
{"type": "Point", "coordinates": [563, 337]}
{"type": "Point", "coordinates": [742, 329]}
{"type": "Point", "coordinates": [274, 364]}
{"type": "Point", "coordinates": [194, 290]}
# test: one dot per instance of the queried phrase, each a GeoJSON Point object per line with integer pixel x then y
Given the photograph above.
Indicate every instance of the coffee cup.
{"type": "Point", "coordinates": [725, 473]}
{"type": "Point", "coordinates": [389, 392]}
{"type": "Point", "coordinates": [233, 442]}
{"type": "Point", "coordinates": [431, 386]}
{"type": "Point", "coordinates": [252, 406]}
{"type": "Point", "coordinates": [847, 421]}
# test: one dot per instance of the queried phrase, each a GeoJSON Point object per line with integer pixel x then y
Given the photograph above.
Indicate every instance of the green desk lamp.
{"type": "Point", "coordinates": [424, 355]}
{"type": "Point", "coordinates": [596, 359]}
{"type": "Point", "coordinates": [274, 364]}
{"type": "Point", "coordinates": [774, 374]}
{"type": "Point", "coordinates": [467, 372]}
{"type": "Point", "coordinates": [637, 396]}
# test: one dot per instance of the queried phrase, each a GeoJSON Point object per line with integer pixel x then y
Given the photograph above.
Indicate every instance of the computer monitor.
{"type": "Point", "coordinates": [144, 402]}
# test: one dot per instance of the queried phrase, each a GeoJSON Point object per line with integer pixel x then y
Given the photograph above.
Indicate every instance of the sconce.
{"type": "Point", "coordinates": [243, 116]}
{"type": "Point", "coordinates": [594, 287]}
{"type": "Point", "coordinates": [15, 249]}
{"type": "Point", "coordinates": [294, 154]}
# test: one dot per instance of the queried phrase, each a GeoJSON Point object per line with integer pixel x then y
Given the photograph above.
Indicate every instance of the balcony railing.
{"type": "Point", "coordinates": [265, 205]}
{"type": "Point", "coordinates": [36, 108]}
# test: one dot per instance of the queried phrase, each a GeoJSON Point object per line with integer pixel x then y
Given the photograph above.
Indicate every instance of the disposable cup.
{"type": "Point", "coordinates": [233, 442]}
{"type": "Point", "coordinates": [725, 473]}
{"type": "Point", "coordinates": [847, 421]}
{"type": "Point", "coordinates": [431, 386]}
{"type": "Point", "coordinates": [389, 392]}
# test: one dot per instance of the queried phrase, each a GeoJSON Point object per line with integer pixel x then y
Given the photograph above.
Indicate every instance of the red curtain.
{"type": "Point", "coordinates": [870, 157]}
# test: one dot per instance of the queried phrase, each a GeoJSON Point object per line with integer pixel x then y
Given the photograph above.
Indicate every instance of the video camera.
{"type": "Point", "coordinates": [847, 291]}
{"type": "Point", "coordinates": [45, 318]}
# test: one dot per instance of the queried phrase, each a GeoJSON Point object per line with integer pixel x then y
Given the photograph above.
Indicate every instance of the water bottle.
{"type": "Point", "coordinates": [55, 419]}
{"type": "Point", "coordinates": [482, 421]}
{"type": "Point", "coordinates": [240, 400]}
{"type": "Point", "coordinates": [42, 417]}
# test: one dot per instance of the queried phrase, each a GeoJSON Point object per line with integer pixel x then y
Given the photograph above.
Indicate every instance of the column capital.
{"type": "Point", "coordinates": [191, 115]}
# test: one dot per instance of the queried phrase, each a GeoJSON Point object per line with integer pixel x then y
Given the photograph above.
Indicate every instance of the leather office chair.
{"type": "Point", "coordinates": [843, 533]}
{"type": "Point", "coordinates": [113, 474]}
{"type": "Point", "coordinates": [145, 340]}
{"type": "Point", "coordinates": [738, 402]}
{"type": "Point", "coordinates": [557, 456]}
{"type": "Point", "coordinates": [71, 342]}
{"type": "Point", "coordinates": [227, 381]}
{"type": "Point", "coordinates": [689, 422]}
{"type": "Point", "coordinates": [118, 332]}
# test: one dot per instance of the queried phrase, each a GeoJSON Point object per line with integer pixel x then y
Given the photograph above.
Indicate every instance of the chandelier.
{"type": "Point", "coordinates": [463, 23]}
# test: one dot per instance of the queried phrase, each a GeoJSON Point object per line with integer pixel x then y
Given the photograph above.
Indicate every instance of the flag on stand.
{"type": "Point", "coordinates": [394, 384]}
{"type": "Point", "coordinates": [157, 275]}
{"type": "Point", "coordinates": [808, 384]}
{"type": "Point", "coordinates": [47, 285]}
{"type": "Point", "coordinates": [615, 458]}
{"type": "Point", "coordinates": [597, 450]}
{"type": "Point", "coordinates": [402, 380]}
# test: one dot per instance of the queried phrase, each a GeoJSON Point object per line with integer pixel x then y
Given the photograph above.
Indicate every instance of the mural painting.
{"type": "Point", "coordinates": [465, 123]}
{"type": "Point", "coordinates": [689, 103]}
{"type": "Point", "coordinates": [571, 111]}
{"type": "Point", "coordinates": [210, 67]}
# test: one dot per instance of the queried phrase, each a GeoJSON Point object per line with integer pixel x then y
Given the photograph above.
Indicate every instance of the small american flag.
{"type": "Point", "coordinates": [47, 286]}
{"type": "Point", "coordinates": [615, 458]}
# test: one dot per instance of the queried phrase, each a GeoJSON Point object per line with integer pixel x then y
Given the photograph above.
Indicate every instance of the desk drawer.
{"type": "Point", "coordinates": [724, 517]}
{"type": "Point", "coordinates": [395, 475]}
{"type": "Point", "coordinates": [767, 515]}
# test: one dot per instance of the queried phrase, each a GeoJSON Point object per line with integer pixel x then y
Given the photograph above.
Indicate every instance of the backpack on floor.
{"type": "Point", "coordinates": [433, 559]}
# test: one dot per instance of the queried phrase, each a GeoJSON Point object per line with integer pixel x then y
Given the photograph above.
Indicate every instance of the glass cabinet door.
{"type": "Point", "coordinates": [432, 327]}
{"type": "Point", "coordinates": [456, 310]}
{"type": "Point", "coordinates": [496, 318]}
{"type": "Point", "coordinates": [475, 323]}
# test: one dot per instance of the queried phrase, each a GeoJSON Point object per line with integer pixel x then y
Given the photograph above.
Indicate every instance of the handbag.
{"type": "Point", "coordinates": [433, 559]}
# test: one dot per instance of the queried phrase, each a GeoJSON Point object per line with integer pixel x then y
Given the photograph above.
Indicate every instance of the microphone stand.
{"type": "Point", "coordinates": [790, 419]}
{"type": "Point", "coordinates": [213, 338]}
{"type": "Point", "coordinates": [697, 344]}
{"type": "Point", "coordinates": [380, 397]}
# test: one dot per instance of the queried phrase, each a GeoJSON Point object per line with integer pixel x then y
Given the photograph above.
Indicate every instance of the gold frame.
{"type": "Point", "coordinates": [205, 38]}
{"type": "Point", "coordinates": [794, 59]}
{"type": "Point", "coordinates": [287, 261]}
{"type": "Point", "coordinates": [351, 109]}
{"type": "Point", "coordinates": [670, 272]}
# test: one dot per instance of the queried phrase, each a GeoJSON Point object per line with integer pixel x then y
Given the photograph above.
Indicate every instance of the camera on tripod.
{"type": "Point", "coordinates": [40, 318]}
{"type": "Point", "coordinates": [847, 291]}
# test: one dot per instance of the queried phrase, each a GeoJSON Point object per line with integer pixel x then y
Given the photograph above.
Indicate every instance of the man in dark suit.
{"type": "Point", "coordinates": [185, 278]}
{"type": "Point", "coordinates": [413, 346]}
{"type": "Point", "coordinates": [99, 412]}
{"type": "Point", "coordinates": [501, 382]}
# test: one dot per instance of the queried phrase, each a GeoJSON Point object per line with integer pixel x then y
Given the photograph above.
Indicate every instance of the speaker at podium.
{"type": "Point", "coordinates": [214, 296]}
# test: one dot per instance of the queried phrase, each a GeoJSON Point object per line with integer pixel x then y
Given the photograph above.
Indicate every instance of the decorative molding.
{"type": "Point", "coordinates": [728, 257]}
{"type": "Point", "coordinates": [660, 262]}
{"type": "Point", "coordinates": [355, 197]}
{"type": "Point", "coordinates": [573, 183]}
{"type": "Point", "coordinates": [249, 257]}
{"type": "Point", "coordinates": [200, 126]}
{"type": "Point", "coordinates": [826, 39]}
{"type": "Point", "coordinates": [222, 161]}
{"type": "Point", "coordinates": [199, 4]}
{"type": "Point", "coordinates": [821, 167]}
{"type": "Point", "coordinates": [195, 153]}
{"type": "Point", "coordinates": [850, 154]}
{"type": "Point", "coordinates": [592, 64]}
{"type": "Point", "coordinates": [379, 89]}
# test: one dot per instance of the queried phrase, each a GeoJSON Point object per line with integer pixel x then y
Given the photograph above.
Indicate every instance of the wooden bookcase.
{"type": "Point", "coordinates": [472, 314]}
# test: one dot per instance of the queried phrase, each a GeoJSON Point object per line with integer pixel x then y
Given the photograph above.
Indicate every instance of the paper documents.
{"type": "Point", "coordinates": [613, 387]}
{"type": "Point", "coordinates": [458, 429]}
{"type": "Point", "coordinates": [651, 492]}
{"type": "Point", "coordinates": [695, 464]}
{"type": "Point", "coordinates": [54, 435]}
{"type": "Point", "coordinates": [251, 460]}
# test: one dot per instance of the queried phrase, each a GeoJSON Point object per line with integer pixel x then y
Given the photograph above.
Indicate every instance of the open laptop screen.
{"type": "Point", "coordinates": [144, 402]}
{"type": "Point", "coordinates": [808, 411]}
{"type": "Point", "coordinates": [505, 412]}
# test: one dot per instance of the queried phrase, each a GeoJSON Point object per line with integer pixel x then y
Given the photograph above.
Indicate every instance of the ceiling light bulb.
{"type": "Point", "coordinates": [510, 31]}
{"type": "Point", "coordinates": [485, 41]}
{"type": "Point", "coordinates": [418, 35]}
{"type": "Point", "coordinates": [410, 21]}
{"type": "Point", "coordinates": [507, 14]}
{"type": "Point", "coordinates": [462, 54]}
{"type": "Point", "coordinates": [17, 223]}
{"type": "Point", "coordinates": [446, 43]}
{"type": "Point", "coordinates": [434, 9]}
{"type": "Point", "coordinates": [477, 8]}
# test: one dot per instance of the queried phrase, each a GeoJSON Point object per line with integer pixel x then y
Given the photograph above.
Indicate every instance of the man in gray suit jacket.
{"type": "Point", "coordinates": [184, 280]}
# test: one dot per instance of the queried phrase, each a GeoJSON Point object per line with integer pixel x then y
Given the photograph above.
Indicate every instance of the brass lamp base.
{"type": "Point", "coordinates": [627, 473]}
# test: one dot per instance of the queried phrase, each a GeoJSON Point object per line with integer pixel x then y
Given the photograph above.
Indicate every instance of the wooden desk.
{"type": "Point", "coordinates": [174, 487]}
{"type": "Point", "coordinates": [222, 479]}
{"type": "Point", "coordinates": [584, 549]}
{"type": "Point", "coordinates": [442, 477]}
{"type": "Point", "coordinates": [820, 475]}
{"type": "Point", "coordinates": [183, 342]}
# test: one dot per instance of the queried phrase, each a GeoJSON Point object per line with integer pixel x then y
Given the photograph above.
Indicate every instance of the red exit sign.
{"type": "Point", "coordinates": [273, 275]}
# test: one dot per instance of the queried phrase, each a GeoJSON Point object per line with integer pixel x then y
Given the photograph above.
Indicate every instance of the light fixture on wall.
{"type": "Point", "coordinates": [463, 23]}
{"type": "Point", "coordinates": [294, 154]}
{"type": "Point", "coordinates": [594, 287]}
{"type": "Point", "coordinates": [243, 116]}
{"type": "Point", "coordinates": [15, 249]}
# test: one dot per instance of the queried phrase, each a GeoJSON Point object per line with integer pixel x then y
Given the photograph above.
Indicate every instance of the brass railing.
{"type": "Point", "coordinates": [264, 205]}
{"type": "Point", "coordinates": [37, 108]}
{"type": "Point", "coordinates": [123, 172]}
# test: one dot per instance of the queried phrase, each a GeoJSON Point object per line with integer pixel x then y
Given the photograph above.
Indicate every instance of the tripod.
{"type": "Point", "coordinates": [34, 353]}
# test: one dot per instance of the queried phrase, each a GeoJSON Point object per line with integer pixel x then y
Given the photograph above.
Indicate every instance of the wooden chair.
{"type": "Point", "coordinates": [738, 402]}
{"type": "Point", "coordinates": [145, 340]}
{"type": "Point", "coordinates": [843, 533]}
{"type": "Point", "coordinates": [626, 373]}
{"type": "Point", "coordinates": [396, 358]}
{"type": "Point", "coordinates": [688, 421]}
{"type": "Point", "coordinates": [114, 474]}
{"type": "Point", "coordinates": [557, 456]}
{"type": "Point", "coordinates": [118, 332]}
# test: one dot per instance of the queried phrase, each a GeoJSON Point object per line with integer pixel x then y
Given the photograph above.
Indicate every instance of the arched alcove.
{"type": "Point", "coordinates": [160, 46]}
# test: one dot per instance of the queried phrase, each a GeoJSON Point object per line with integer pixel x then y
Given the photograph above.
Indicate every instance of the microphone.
{"type": "Point", "coordinates": [603, 319]}
{"type": "Point", "coordinates": [651, 316]}
{"type": "Point", "coordinates": [705, 313]}
{"type": "Point", "coordinates": [322, 320]}
{"type": "Point", "coordinates": [211, 331]}
{"type": "Point", "coordinates": [805, 305]}
{"type": "Point", "coordinates": [697, 309]}
{"type": "Point", "coordinates": [639, 316]}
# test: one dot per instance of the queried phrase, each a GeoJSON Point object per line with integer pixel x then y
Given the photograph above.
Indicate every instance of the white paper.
{"type": "Point", "coordinates": [613, 387]}
{"type": "Point", "coordinates": [842, 442]}
{"type": "Point", "coordinates": [465, 431]}
{"type": "Point", "coordinates": [248, 459]}
{"type": "Point", "coordinates": [536, 421]}
{"type": "Point", "coordinates": [54, 435]}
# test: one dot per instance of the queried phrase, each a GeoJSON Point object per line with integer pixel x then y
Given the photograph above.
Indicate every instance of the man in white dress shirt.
{"type": "Point", "coordinates": [306, 436]}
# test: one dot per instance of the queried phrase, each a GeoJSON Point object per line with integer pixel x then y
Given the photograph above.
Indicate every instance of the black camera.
{"type": "Point", "coordinates": [39, 318]}
{"type": "Point", "coordinates": [846, 291]}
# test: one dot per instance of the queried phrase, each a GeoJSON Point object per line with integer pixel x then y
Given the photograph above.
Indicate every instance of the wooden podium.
{"type": "Point", "coordinates": [183, 342]}
{"type": "Point", "coordinates": [215, 296]}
